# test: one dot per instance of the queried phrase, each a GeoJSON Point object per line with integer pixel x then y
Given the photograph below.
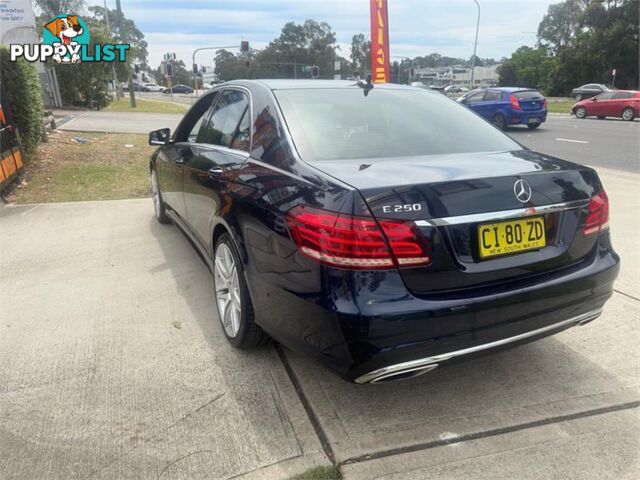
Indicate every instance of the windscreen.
{"type": "Point", "coordinates": [331, 124]}
{"type": "Point", "coordinates": [527, 95]}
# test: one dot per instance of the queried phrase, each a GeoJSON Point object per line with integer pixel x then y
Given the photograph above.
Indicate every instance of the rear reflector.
{"type": "Point", "coordinates": [598, 218]}
{"type": "Point", "coordinates": [356, 242]}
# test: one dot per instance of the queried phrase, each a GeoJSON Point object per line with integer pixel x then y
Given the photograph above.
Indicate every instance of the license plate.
{"type": "Point", "coordinates": [534, 120]}
{"type": "Point", "coordinates": [510, 237]}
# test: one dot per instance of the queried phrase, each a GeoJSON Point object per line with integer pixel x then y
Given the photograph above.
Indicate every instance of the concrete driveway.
{"type": "Point", "coordinates": [113, 365]}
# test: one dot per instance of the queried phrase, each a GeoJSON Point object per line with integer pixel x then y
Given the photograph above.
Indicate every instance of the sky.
{"type": "Point", "coordinates": [417, 27]}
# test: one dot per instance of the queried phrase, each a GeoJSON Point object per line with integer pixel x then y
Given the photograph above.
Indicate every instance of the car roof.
{"type": "Point", "coordinates": [287, 84]}
{"type": "Point", "coordinates": [512, 89]}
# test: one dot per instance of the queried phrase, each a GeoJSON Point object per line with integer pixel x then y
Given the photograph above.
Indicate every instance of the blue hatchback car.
{"type": "Point", "coordinates": [507, 106]}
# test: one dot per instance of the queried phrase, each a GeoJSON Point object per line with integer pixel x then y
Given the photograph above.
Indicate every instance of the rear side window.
{"type": "Point", "coordinates": [527, 95]}
{"type": "Point", "coordinates": [221, 127]}
{"type": "Point", "coordinates": [492, 96]}
{"type": "Point", "coordinates": [622, 95]}
{"type": "Point", "coordinates": [343, 123]}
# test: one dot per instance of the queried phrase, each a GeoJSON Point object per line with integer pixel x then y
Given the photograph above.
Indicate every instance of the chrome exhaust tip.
{"type": "Point", "coordinates": [404, 374]}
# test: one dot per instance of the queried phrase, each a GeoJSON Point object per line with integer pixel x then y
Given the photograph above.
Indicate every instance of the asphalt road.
{"type": "Point", "coordinates": [610, 143]}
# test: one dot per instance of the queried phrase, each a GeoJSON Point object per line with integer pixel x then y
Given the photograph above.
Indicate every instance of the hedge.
{"type": "Point", "coordinates": [21, 92]}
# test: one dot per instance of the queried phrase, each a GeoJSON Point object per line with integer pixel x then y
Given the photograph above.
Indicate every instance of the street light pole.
{"type": "Point", "coordinates": [123, 39]}
{"type": "Point", "coordinates": [113, 66]}
{"type": "Point", "coordinates": [475, 48]}
{"type": "Point", "coordinates": [193, 60]}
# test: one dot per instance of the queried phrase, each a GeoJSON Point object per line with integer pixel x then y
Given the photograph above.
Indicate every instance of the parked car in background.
{"type": "Point", "coordinates": [178, 89]}
{"type": "Point", "coordinates": [624, 104]}
{"type": "Point", "coordinates": [506, 106]}
{"type": "Point", "coordinates": [152, 87]}
{"type": "Point", "coordinates": [136, 87]}
{"type": "Point", "coordinates": [455, 89]}
{"type": "Point", "coordinates": [384, 233]}
{"type": "Point", "coordinates": [589, 90]}
{"type": "Point", "coordinates": [437, 88]}
{"type": "Point", "coordinates": [418, 85]}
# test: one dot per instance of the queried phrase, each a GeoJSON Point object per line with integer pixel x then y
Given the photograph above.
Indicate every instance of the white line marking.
{"type": "Point", "coordinates": [570, 140]}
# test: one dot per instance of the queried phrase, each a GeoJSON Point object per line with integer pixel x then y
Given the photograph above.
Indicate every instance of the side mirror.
{"type": "Point", "coordinates": [160, 137]}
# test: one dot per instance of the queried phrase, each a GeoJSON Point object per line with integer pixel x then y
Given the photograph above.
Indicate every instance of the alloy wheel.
{"type": "Point", "coordinates": [227, 289]}
{"type": "Point", "coordinates": [628, 114]}
{"type": "Point", "coordinates": [581, 112]}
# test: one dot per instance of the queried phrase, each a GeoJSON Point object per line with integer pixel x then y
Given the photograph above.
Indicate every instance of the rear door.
{"type": "Point", "coordinates": [602, 105]}
{"type": "Point", "coordinates": [221, 147]}
{"type": "Point", "coordinates": [618, 103]}
{"type": "Point", "coordinates": [490, 105]}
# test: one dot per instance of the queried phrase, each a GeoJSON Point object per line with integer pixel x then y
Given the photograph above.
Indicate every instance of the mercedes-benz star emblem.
{"type": "Point", "coordinates": [522, 191]}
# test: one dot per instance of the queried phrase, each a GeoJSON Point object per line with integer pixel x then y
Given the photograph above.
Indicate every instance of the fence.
{"type": "Point", "coordinates": [10, 154]}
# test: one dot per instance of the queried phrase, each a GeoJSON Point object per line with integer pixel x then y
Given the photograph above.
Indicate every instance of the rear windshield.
{"type": "Point", "coordinates": [527, 95]}
{"type": "Point", "coordinates": [331, 124]}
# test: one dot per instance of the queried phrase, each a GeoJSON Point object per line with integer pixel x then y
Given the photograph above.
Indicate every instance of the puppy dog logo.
{"type": "Point", "coordinates": [69, 32]}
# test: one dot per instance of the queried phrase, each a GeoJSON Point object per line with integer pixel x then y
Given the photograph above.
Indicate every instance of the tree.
{"type": "Point", "coordinates": [297, 47]}
{"type": "Point", "coordinates": [361, 54]}
{"type": "Point", "coordinates": [130, 31]}
{"type": "Point", "coordinates": [51, 8]}
{"type": "Point", "coordinates": [580, 41]}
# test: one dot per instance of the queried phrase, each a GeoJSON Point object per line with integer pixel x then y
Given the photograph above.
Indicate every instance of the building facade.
{"type": "Point", "coordinates": [458, 75]}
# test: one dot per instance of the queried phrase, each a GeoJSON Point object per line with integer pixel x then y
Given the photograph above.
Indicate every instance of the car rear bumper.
{"type": "Point", "coordinates": [413, 368]}
{"type": "Point", "coordinates": [369, 327]}
{"type": "Point", "coordinates": [528, 116]}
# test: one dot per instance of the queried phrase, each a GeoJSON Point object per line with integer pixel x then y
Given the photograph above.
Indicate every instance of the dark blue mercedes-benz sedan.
{"type": "Point", "coordinates": [384, 230]}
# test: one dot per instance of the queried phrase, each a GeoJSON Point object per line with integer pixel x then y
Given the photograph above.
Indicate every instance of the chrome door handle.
{"type": "Point", "coordinates": [215, 171]}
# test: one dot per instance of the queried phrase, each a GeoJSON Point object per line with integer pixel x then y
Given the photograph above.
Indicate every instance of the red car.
{"type": "Point", "coordinates": [616, 103]}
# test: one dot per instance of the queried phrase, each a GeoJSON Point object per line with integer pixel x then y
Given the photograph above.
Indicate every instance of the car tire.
{"type": "Point", "coordinates": [158, 203]}
{"type": "Point", "coordinates": [533, 126]}
{"type": "Point", "coordinates": [581, 112]}
{"type": "Point", "coordinates": [578, 97]}
{"type": "Point", "coordinates": [628, 114]}
{"type": "Point", "coordinates": [499, 121]}
{"type": "Point", "coordinates": [232, 299]}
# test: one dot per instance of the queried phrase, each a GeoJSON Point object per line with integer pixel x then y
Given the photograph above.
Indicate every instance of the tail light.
{"type": "Point", "coordinates": [356, 242]}
{"type": "Point", "coordinates": [515, 104]}
{"type": "Point", "coordinates": [545, 104]}
{"type": "Point", "coordinates": [598, 218]}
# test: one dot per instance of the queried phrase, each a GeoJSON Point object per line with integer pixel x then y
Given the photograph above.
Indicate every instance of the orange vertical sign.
{"type": "Point", "coordinates": [379, 41]}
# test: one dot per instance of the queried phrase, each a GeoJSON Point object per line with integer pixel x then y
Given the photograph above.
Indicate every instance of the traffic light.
{"type": "Point", "coordinates": [195, 68]}
{"type": "Point", "coordinates": [315, 72]}
{"type": "Point", "coordinates": [244, 46]}
{"type": "Point", "coordinates": [169, 70]}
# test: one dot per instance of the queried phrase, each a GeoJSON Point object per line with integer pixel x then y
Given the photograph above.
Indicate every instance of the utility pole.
{"type": "Point", "coordinates": [113, 65]}
{"type": "Point", "coordinates": [475, 49]}
{"type": "Point", "coordinates": [123, 38]}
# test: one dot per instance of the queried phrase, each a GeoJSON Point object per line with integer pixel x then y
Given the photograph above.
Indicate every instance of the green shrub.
{"type": "Point", "coordinates": [21, 91]}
